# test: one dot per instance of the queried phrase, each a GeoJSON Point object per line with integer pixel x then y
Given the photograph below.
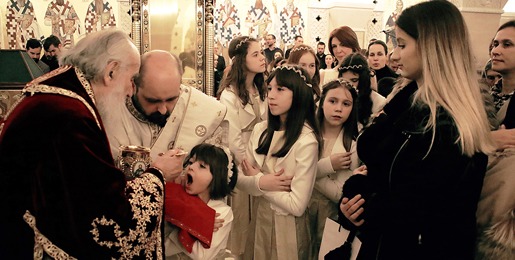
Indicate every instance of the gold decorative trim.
{"type": "Point", "coordinates": [209, 47]}
{"type": "Point", "coordinates": [146, 199]}
{"type": "Point", "coordinates": [135, 112]}
{"type": "Point", "coordinates": [200, 130]}
{"type": "Point", "coordinates": [155, 128]}
{"type": "Point", "coordinates": [145, 28]}
{"type": "Point", "coordinates": [42, 243]}
{"type": "Point", "coordinates": [10, 111]}
{"type": "Point", "coordinates": [34, 87]}
{"type": "Point", "coordinates": [85, 84]}
{"type": "Point", "coordinates": [201, 40]}
{"type": "Point", "coordinates": [45, 89]}
{"type": "Point", "coordinates": [136, 23]}
{"type": "Point", "coordinates": [51, 74]}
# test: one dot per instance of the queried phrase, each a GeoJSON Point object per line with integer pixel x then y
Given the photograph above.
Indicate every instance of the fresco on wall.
{"type": "Point", "coordinates": [261, 18]}
{"type": "Point", "coordinates": [391, 41]}
{"type": "Point", "coordinates": [21, 23]}
{"type": "Point", "coordinates": [258, 21]}
{"type": "Point", "coordinates": [99, 16]}
{"type": "Point", "coordinates": [227, 23]}
{"type": "Point", "coordinates": [291, 23]}
{"type": "Point", "coordinates": [63, 19]}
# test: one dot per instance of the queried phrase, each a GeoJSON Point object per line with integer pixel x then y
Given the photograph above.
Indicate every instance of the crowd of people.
{"type": "Point", "coordinates": [255, 172]}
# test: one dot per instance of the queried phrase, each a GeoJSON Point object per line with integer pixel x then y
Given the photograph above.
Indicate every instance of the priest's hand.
{"type": "Point", "coordinates": [170, 163]}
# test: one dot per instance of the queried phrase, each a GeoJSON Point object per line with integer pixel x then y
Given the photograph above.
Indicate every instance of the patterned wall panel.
{"type": "Point", "coordinates": [374, 30]}
{"type": "Point", "coordinates": [318, 26]}
{"type": "Point", "coordinates": [125, 21]}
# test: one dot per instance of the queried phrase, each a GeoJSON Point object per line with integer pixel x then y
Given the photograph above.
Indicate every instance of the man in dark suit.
{"type": "Point", "coordinates": [321, 54]}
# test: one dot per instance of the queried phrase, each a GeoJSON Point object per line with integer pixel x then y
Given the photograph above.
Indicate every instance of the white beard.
{"type": "Point", "coordinates": [110, 106]}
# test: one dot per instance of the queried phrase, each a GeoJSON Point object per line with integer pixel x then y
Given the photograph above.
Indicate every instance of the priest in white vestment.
{"type": "Point", "coordinates": [163, 114]}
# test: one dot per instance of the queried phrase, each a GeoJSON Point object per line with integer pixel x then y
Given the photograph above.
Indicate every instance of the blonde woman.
{"type": "Point", "coordinates": [425, 154]}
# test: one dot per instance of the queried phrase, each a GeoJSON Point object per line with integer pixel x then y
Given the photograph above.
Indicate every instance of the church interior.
{"type": "Point", "coordinates": [197, 29]}
{"type": "Point", "coordinates": [241, 105]}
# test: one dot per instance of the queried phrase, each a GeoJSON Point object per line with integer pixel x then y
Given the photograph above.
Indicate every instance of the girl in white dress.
{"type": "Point", "coordinates": [210, 175]}
{"type": "Point", "coordinates": [243, 92]}
{"type": "Point", "coordinates": [337, 116]}
{"type": "Point", "coordinates": [304, 56]}
{"type": "Point", "coordinates": [280, 168]}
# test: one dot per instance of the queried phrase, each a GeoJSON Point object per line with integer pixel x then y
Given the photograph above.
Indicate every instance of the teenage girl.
{"type": "Point", "coordinates": [306, 58]}
{"type": "Point", "coordinates": [280, 168]}
{"type": "Point", "coordinates": [243, 92]}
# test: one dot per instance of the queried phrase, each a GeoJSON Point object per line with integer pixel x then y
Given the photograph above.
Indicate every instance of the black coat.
{"type": "Point", "coordinates": [423, 198]}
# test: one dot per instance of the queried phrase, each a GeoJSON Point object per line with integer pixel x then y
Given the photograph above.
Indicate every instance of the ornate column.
{"type": "Point", "coordinates": [136, 23]}
{"type": "Point", "coordinates": [208, 56]}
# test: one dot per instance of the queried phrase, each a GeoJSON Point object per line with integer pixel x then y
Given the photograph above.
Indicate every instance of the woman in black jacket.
{"type": "Point", "coordinates": [426, 153]}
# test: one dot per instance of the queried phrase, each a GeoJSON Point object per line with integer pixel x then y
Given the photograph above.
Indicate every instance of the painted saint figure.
{"type": "Point", "coordinates": [21, 23]}
{"type": "Point", "coordinates": [391, 41]}
{"type": "Point", "coordinates": [258, 20]}
{"type": "Point", "coordinates": [99, 16]}
{"type": "Point", "coordinates": [292, 23]}
{"type": "Point", "coordinates": [227, 23]}
{"type": "Point", "coordinates": [61, 15]}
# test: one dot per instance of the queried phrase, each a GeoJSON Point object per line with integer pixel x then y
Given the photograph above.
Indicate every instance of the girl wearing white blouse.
{"type": "Point", "coordinates": [337, 116]}
{"type": "Point", "coordinates": [243, 92]}
{"type": "Point", "coordinates": [280, 169]}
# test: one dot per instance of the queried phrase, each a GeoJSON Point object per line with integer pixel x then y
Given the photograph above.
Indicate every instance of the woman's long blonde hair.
{"type": "Point", "coordinates": [449, 77]}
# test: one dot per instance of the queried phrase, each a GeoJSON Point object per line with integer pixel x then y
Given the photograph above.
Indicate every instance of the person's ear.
{"type": "Point", "coordinates": [110, 72]}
